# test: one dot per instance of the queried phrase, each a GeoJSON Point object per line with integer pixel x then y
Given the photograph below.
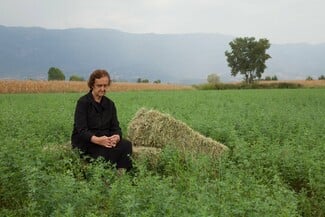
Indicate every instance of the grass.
{"type": "Point", "coordinates": [274, 167]}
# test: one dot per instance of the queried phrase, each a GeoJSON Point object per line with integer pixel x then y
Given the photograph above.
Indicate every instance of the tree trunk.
{"type": "Point", "coordinates": [250, 80]}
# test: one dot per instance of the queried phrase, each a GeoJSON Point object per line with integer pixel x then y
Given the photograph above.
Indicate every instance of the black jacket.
{"type": "Point", "coordinates": [92, 118]}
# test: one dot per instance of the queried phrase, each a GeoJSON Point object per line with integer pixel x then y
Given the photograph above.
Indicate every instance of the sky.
{"type": "Point", "coordinates": [280, 21]}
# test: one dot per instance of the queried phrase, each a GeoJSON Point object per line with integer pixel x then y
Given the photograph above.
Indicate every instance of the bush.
{"type": "Point", "coordinates": [76, 78]}
{"type": "Point", "coordinates": [213, 79]}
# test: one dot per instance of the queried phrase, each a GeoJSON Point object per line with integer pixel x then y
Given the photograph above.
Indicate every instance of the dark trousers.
{"type": "Point", "coordinates": [120, 155]}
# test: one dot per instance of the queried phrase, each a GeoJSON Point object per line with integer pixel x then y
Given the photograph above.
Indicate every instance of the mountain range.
{"type": "Point", "coordinates": [29, 52]}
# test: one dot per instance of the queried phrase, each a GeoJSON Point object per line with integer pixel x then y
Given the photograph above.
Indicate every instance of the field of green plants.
{"type": "Point", "coordinates": [275, 165]}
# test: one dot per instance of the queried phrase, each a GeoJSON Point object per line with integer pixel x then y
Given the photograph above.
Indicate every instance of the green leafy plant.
{"type": "Point", "coordinates": [274, 166]}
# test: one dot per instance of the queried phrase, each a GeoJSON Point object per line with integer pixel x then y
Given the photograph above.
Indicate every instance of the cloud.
{"type": "Point", "coordinates": [278, 20]}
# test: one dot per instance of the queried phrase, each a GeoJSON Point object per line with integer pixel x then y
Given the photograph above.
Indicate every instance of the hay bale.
{"type": "Point", "coordinates": [149, 154]}
{"type": "Point", "coordinates": [150, 128]}
{"type": "Point", "coordinates": [138, 150]}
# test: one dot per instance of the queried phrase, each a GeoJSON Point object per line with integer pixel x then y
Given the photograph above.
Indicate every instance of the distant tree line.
{"type": "Point", "coordinates": [56, 74]}
{"type": "Point", "coordinates": [269, 78]}
{"type": "Point", "coordinates": [140, 80]}
{"type": "Point", "coordinates": [76, 78]}
{"type": "Point", "coordinates": [309, 78]}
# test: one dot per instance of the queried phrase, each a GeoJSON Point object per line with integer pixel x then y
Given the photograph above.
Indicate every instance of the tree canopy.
{"type": "Point", "coordinates": [55, 74]}
{"type": "Point", "coordinates": [213, 78]}
{"type": "Point", "coordinates": [247, 57]}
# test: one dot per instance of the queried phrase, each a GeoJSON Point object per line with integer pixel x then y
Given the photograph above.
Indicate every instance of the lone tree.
{"type": "Point", "coordinates": [247, 57]}
{"type": "Point", "coordinates": [55, 74]}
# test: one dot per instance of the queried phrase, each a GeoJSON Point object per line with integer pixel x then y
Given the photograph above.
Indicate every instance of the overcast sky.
{"type": "Point", "coordinates": [280, 21]}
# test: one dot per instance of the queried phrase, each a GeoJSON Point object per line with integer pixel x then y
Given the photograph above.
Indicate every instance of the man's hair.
{"type": "Point", "coordinates": [97, 74]}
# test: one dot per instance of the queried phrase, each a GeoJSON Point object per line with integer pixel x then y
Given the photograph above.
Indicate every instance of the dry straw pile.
{"type": "Point", "coordinates": [150, 128]}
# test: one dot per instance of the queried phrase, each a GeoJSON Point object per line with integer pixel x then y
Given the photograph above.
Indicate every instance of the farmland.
{"type": "Point", "coordinates": [34, 86]}
{"type": "Point", "coordinates": [39, 86]}
{"type": "Point", "coordinates": [275, 165]}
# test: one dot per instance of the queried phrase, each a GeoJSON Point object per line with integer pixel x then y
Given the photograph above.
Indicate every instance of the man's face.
{"type": "Point", "coordinates": [100, 86]}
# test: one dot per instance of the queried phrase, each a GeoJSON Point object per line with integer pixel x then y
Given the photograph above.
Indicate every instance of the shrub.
{"type": "Point", "coordinates": [213, 79]}
{"type": "Point", "coordinates": [76, 78]}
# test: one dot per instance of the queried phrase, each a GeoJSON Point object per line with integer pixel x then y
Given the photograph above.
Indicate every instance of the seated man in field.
{"type": "Point", "coordinates": [96, 130]}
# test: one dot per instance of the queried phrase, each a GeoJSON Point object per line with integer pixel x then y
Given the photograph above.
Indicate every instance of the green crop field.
{"type": "Point", "coordinates": [274, 167]}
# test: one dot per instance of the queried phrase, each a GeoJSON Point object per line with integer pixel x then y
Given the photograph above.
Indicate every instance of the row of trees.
{"type": "Point", "coordinates": [269, 78]}
{"type": "Point", "coordinates": [140, 80]}
{"type": "Point", "coordinates": [309, 78]}
{"type": "Point", "coordinates": [55, 74]}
